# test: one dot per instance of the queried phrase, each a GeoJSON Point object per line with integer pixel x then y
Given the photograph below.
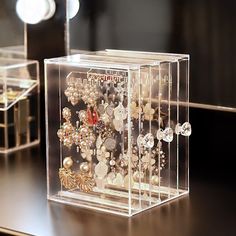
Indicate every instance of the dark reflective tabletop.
{"type": "Point", "coordinates": [209, 209]}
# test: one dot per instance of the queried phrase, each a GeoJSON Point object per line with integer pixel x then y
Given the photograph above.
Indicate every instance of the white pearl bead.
{"type": "Point", "coordinates": [84, 167]}
{"type": "Point", "coordinates": [67, 162]}
{"type": "Point", "coordinates": [155, 180]}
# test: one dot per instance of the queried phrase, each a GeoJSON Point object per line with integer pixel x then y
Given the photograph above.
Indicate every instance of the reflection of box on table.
{"type": "Point", "coordinates": [19, 104]}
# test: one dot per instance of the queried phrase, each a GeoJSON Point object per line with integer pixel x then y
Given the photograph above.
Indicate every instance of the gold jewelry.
{"type": "Point", "coordinates": [72, 180]}
{"type": "Point", "coordinates": [66, 175]}
{"type": "Point", "coordinates": [9, 95]}
{"type": "Point", "coordinates": [148, 112]}
{"type": "Point", "coordinates": [85, 182]}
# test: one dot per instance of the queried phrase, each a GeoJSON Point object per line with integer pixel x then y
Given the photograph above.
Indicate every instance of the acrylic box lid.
{"type": "Point", "coordinates": [211, 94]}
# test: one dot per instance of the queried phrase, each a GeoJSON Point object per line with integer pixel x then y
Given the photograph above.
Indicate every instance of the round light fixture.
{"type": "Point", "coordinates": [72, 8]}
{"type": "Point", "coordinates": [34, 11]}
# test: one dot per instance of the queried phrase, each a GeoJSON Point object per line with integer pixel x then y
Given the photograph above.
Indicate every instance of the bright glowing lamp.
{"type": "Point", "coordinates": [34, 11]}
{"type": "Point", "coordinates": [73, 8]}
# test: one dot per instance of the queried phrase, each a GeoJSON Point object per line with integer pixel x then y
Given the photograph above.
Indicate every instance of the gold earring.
{"type": "Point", "coordinates": [66, 175]}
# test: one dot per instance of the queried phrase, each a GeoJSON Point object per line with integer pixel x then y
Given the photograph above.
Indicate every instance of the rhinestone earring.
{"type": "Point", "coordinates": [166, 135]}
{"type": "Point", "coordinates": [185, 129]}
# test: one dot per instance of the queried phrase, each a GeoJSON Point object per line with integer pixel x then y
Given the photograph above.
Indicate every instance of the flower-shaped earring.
{"type": "Point", "coordinates": [148, 112]}
{"type": "Point", "coordinates": [102, 154]}
{"type": "Point", "coordinates": [87, 154]}
{"type": "Point", "coordinates": [135, 110]}
{"type": "Point", "coordinates": [147, 160]}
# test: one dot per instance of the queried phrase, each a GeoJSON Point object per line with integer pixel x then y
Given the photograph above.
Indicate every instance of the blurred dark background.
{"type": "Point", "coordinates": [205, 29]}
{"type": "Point", "coordinates": [11, 28]}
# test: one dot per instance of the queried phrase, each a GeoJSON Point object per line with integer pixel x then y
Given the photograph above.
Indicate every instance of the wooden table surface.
{"type": "Point", "coordinates": [209, 209]}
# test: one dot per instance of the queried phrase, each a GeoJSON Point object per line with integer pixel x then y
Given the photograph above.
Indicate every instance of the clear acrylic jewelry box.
{"type": "Point", "coordinates": [19, 104]}
{"type": "Point", "coordinates": [117, 130]}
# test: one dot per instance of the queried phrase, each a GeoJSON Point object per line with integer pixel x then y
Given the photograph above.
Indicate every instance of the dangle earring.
{"type": "Point", "coordinates": [67, 129]}
{"type": "Point", "coordinates": [66, 175]}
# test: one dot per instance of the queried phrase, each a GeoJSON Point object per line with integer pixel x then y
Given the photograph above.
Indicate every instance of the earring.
{"type": "Point", "coordinates": [67, 129]}
{"type": "Point", "coordinates": [85, 181]}
{"type": "Point", "coordinates": [78, 89]}
{"type": "Point", "coordinates": [83, 137]}
{"type": "Point", "coordinates": [167, 134]}
{"type": "Point", "coordinates": [71, 180]}
{"type": "Point", "coordinates": [146, 141]}
{"type": "Point", "coordinates": [66, 175]}
{"type": "Point", "coordinates": [74, 90]}
{"type": "Point", "coordinates": [120, 114]}
{"type": "Point", "coordinates": [90, 94]}
{"type": "Point", "coordinates": [148, 112]}
{"type": "Point", "coordinates": [87, 154]}
{"type": "Point", "coordinates": [92, 116]}
{"type": "Point", "coordinates": [185, 129]}
{"type": "Point", "coordinates": [135, 110]}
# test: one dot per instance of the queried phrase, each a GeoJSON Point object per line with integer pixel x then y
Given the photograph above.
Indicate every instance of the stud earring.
{"type": "Point", "coordinates": [146, 141]}
{"type": "Point", "coordinates": [167, 135]}
{"type": "Point", "coordinates": [185, 129]}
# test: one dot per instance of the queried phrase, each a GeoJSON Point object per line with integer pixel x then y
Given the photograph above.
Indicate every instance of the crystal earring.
{"type": "Point", "coordinates": [167, 134]}
{"type": "Point", "coordinates": [146, 141]}
{"type": "Point", "coordinates": [185, 129]}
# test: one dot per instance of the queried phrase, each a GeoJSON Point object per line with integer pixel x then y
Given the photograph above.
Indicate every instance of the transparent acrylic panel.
{"type": "Point", "coordinates": [108, 150]}
{"type": "Point", "coordinates": [12, 41]}
{"type": "Point", "coordinates": [128, 168]}
{"type": "Point", "coordinates": [74, 21]}
{"type": "Point", "coordinates": [164, 124]}
{"type": "Point", "coordinates": [185, 127]}
{"type": "Point", "coordinates": [178, 95]}
{"type": "Point", "coordinates": [144, 105]}
{"type": "Point", "coordinates": [212, 94]}
{"type": "Point", "coordinates": [19, 104]}
{"type": "Point", "coordinates": [174, 120]}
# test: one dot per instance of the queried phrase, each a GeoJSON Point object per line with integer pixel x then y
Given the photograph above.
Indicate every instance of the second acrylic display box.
{"type": "Point", "coordinates": [19, 104]}
{"type": "Point", "coordinates": [117, 130]}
